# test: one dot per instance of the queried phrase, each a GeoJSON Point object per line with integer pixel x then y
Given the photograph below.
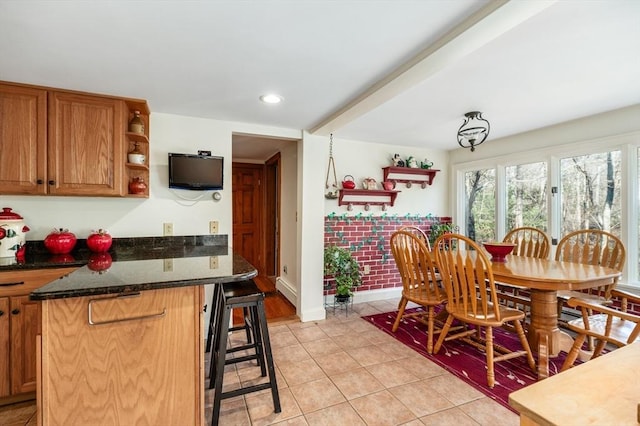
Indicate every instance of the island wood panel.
{"type": "Point", "coordinates": [138, 371]}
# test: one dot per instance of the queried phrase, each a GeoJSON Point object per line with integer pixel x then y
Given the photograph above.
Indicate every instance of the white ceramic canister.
{"type": "Point", "coordinates": [12, 232]}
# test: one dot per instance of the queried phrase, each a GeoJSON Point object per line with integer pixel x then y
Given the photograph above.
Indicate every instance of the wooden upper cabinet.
{"type": "Point", "coordinates": [23, 138]}
{"type": "Point", "coordinates": [61, 142]}
{"type": "Point", "coordinates": [85, 146]}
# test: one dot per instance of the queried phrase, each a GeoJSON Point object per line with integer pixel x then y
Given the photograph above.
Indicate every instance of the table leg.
{"type": "Point", "coordinates": [544, 320]}
{"type": "Point", "coordinates": [544, 335]}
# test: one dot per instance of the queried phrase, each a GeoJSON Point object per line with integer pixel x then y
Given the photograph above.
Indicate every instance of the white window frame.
{"type": "Point", "coordinates": [628, 144]}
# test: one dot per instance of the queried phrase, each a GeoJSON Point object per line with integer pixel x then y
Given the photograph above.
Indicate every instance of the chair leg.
{"type": "Point", "coordinates": [443, 334]}
{"type": "Point", "coordinates": [221, 354]}
{"type": "Point", "coordinates": [214, 341]}
{"type": "Point", "coordinates": [491, 376]}
{"type": "Point", "coordinates": [430, 320]}
{"type": "Point", "coordinates": [259, 339]}
{"type": "Point", "coordinates": [215, 303]}
{"type": "Point", "coordinates": [573, 352]}
{"type": "Point", "coordinates": [264, 331]}
{"type": "Point", "coordinates": [401, 307]}
{"type": "Point", "coordinates": [525, 344]}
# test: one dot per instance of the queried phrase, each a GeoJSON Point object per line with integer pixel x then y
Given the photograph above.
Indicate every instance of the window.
{"type": "Point", "coordinates": [592, 184]}
{"type": "Point", "coordinates": [527, 195]}
{"type": "Point", "coordinates": [591, 192]}
{"type": "Point", "coordinates": [480, 204]}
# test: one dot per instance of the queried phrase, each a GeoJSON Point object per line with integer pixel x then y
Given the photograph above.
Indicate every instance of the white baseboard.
{"type": "Point", "coordinates": [287, 290]}
{"type": "Point", "coordinates": [373, 295]}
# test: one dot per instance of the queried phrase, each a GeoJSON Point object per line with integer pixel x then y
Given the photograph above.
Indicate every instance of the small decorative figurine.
{"type": "Point", "coordinates": [397, 161]}
{"type": "Point", "coordinates": [412, 163]}
{"type": "Point", "coordinates": [426, 164]}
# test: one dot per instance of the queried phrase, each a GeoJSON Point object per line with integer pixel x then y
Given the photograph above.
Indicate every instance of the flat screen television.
{"type": "Point", "coordinates": [196, 172]}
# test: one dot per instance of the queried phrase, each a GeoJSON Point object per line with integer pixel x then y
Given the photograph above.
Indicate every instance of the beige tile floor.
{"type": "Point", "coordinates": [344, 371]}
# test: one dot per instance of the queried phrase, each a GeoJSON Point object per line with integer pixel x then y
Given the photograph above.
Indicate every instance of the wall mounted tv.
{"type": "Point", "coordinates": [196, 172]}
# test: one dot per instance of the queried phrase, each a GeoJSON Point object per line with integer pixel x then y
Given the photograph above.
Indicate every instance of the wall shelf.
{"type": "Point", "coordinates": [366, 198]}
{"type": "Point", "coordinates": [408, 175]}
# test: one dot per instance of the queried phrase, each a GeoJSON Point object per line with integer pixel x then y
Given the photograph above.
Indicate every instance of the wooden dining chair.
{"type": "Point", "coordinates": [604, 324]}
{"type": "Point", "coordinates": [530, 242]}
{"type": "Point", "coordinates": [592, 247]}
{"type": "Point", "coordinates": [471, 299]}
{"type": "Point", "coordinates": [418, 233]}
{"type": "Point", "coordinates": [419, 284]}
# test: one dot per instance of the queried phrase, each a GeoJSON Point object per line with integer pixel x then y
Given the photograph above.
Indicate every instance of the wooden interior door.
{"type": "Point", "coordinates": [248, 213]}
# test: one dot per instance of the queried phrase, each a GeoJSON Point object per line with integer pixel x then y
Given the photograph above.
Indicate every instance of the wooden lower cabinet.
{"type": "Point", "coordinates": [123, 360]}
{"type": "Point", "coordinates": [19, 327]}
{"type": "Point", "coordinates": [5, 359]}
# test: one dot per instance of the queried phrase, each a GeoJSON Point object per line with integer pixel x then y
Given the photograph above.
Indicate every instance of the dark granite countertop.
{"type": "Point", "coordinates": [139, 264]}
{"type": "Point", "coordinates": [37, 256]}
{"type": "Point", "coordinates": [126, 276]}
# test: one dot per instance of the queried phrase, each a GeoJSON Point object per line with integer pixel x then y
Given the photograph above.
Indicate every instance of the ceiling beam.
{"type": "Point", "coordinates": [493, 20]}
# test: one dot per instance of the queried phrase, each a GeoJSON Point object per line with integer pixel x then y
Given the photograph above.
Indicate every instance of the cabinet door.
{"type": "Point", "coordinates": [25, 326]}
{"type": "Point", "coordinates": [85, 145]}
{"type": "Point", "coordinates": [23, 137]}
{"type": "Point", "coordinates": [135, 359]}
{"type": "Point", "coordinates": [5, 376]}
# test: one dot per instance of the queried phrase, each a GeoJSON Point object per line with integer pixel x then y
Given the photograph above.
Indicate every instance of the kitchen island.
{"type": "Point", "coordinates": [126, 346]}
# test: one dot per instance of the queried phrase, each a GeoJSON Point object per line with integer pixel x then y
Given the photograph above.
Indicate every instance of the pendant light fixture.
{"type": "Point", "coordinates": [473, 131]}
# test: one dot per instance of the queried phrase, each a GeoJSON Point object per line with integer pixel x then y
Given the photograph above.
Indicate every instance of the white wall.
{"type": "Point", "coordinates": [362, 160]}
{"type": "Point", "coordinates": [288, 283]}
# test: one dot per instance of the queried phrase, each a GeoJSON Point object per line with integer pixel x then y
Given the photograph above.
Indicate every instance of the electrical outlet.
{"type": "Point", "coordinates": [213, 227]}
{"type": "Point", "coordinates": [167, 266]}
{"type": "Point", "coordinates": [367, 269]}
{"type": "Point", "coordinates": [167, 229]}
{"type": "Point", "coordinates": [213, 262]}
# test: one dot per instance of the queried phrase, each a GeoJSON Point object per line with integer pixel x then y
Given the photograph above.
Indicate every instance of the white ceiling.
{"type": "Point", "coordinates": [389, 71]}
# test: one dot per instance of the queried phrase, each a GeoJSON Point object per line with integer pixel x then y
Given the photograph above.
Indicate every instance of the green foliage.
{"type": "Point", "coordinates": [437, 229]}
{"type": "Point", "coordinates": [340, 264]}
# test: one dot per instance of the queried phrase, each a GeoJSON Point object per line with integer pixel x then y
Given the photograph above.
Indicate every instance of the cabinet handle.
{"type": "Point", "coordinates": [39, 181]}
{"type": "Point", "coordinates": [15, 311]}
{"type": "Point", "coordinates": [1, 313]}
{"type": "Point", "coordinates": [10, 284]}
{"type": "Point", "coordinates": [141, 317]}
{"type": "Point", "coordinates": [52, 182]}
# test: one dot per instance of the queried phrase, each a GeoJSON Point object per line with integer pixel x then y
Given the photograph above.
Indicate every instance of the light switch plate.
{"type": "Point", "coordinates": [213, 227]}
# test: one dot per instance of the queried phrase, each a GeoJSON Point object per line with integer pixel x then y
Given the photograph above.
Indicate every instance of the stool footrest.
{"type": "Point", "coordinates": [240, 359]}
{"type": "Point", "coordinates": [248, 389]}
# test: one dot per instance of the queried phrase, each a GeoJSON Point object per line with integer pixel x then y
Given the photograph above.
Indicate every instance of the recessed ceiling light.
{"type": "Point", "coordinates": [271, 98]}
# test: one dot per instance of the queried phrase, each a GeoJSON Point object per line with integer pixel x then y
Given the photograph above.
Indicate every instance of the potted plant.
{"type": "Point", "coordinates": [339, 264]}
{"type": "Point", "coordinates": [437, 229]}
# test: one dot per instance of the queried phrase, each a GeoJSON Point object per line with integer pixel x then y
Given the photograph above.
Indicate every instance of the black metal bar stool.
{"type": "Point", "coordinates": [245, 295]}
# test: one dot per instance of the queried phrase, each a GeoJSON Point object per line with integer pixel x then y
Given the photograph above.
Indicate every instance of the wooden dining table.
{"type": "Point", "coordinates": [543, 278]}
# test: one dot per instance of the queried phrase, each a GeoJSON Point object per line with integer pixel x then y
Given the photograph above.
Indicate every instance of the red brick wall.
{"type": "Point", "coordinates": [368, 239]}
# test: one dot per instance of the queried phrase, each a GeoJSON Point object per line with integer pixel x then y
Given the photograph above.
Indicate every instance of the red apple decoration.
{"type": "Point", "coordinates": [99, 242]}
{"type": "Point", "coordinates": [60, 241]}
{"type": "Point", "coordinates": [100, 262]}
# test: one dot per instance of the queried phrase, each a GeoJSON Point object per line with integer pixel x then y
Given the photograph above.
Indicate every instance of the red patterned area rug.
{"type": "Point", "coordinates": [464, 360]}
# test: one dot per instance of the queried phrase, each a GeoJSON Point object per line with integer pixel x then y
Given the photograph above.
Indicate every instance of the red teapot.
{"type": "Point", "coordinates": [348, 182]}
